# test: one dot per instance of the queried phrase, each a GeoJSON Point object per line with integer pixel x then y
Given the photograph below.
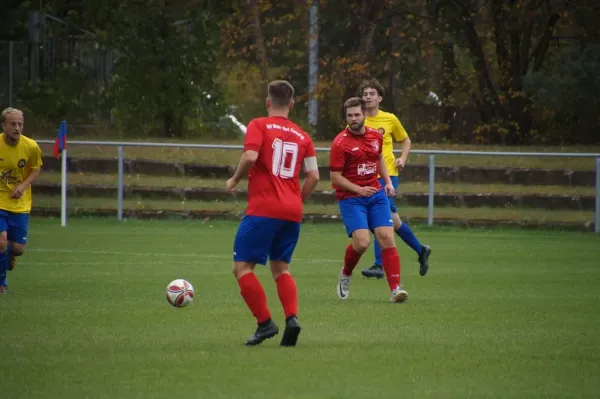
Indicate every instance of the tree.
{"type": "Point", "coordinates": [165, 64]}
{"type": "Point", "coordinates": [567, 93]}
{"type": "Point", "coordinates": [506, 40]}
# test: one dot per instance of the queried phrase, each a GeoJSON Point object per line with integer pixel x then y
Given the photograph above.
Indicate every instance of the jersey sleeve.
{"type": "Point", "coordinates": [310, 149]}
{"type": "Point", "coordinates": [398, 131]}
{"type": "Point", "coordinates": [309, 162]}
{"type": "Point", "coordinates": [36, 159]}
{"type": "Point", "coordinates": [254, 137]}
{"type": "Point", "coordinates": [337, 158]}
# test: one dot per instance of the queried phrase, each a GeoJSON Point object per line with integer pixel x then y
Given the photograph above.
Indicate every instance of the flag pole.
{"type": "Point", "coordinates": [63, 188]}
{"type": "Point", "coordinates": [61, 150]}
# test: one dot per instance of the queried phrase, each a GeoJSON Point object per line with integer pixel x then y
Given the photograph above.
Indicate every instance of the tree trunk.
{"type": "Point", "coordinates": [448, 77]}
{"type": "Point", "coordinates": [258, 39]}
{"type": "Point", "coordinates": [366, 25]}
{"type": "Point", "coordinates": [395, 72]}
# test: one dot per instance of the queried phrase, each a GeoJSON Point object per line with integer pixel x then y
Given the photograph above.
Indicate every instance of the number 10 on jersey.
{"type": "Point", "coordinates": [285, 155]}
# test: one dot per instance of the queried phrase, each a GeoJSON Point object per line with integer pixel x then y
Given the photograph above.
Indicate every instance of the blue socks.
{"type": "Point", "coordinates": [3, 267]}
{"type": "Point", "coordinates": [409, 238]}
{"type": "Point", "coordinates": [407, 235]}
{"type": "Point", "coordinates": [377, 249]}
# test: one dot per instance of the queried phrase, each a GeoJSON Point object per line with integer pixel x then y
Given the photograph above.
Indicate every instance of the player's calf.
{"type": "Point", "coordinates": [14, 250]}
{"type": "Point", "coordinates": [360, 241]}
{"type": "Point", "coordinates": [3, 242]}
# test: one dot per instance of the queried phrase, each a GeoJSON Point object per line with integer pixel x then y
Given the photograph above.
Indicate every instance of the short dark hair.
{"type": "Point", "coordinates": [281, 93]}
{"type": "Point", "coordinates": [355, 102]}
{"type": "Point", "coordinates": [371, 84]}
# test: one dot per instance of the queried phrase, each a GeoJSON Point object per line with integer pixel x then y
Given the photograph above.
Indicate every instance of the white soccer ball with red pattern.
{"type": "Point", "coordinates": [180, 293]}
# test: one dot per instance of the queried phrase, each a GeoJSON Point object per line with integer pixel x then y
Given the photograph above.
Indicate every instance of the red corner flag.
{"type": "Point", "coordinates": [60, 142]}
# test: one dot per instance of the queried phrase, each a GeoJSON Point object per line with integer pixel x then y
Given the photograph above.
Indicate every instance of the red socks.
{"type": "Point", "coordinates": [350, 260]}
{"type": "Point", "coordinates": [288, 294]}
{"type": "Point", "coordinates": [254, 296]}
{"type": "Point", "coordinates": [391, 266]}
{"type": "Point", "coordinates": [256, 299]}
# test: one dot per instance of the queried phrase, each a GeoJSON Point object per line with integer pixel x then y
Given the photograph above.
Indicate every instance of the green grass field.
{"type": "Point", "coordinates": [82, 206]}
{"type": "Point", "coordinates": [501, 314]}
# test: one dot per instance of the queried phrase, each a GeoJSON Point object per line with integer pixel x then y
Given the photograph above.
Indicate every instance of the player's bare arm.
{"type": "Point", "coordinates": [20, 189]}
{"type": "Point", "coordinates": [311, 168]}
{"type": "Point", "coordinates": [345, 184]}
{"type": "Point", "coordinates": [383, 172]}
{"type": "Point", "coordinates": [247, 160]}
{"type": "Point", "coordinates": [403, 159]}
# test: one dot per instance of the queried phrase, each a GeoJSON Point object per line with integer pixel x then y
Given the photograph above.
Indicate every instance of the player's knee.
{"type": "Point", "coordinates": [385, 237]}
{"type": "Point", "coordinates": [397, 221]}
{"type": "Point", "coordinates": [3, 243]}
{"type": "Point", "coordinates": [278, 268]}
{"type": "Point", "coordinates": [17, 249]}
{"type": "Point", "coordinates": [278, 273]}
{"type": "Point", "coordinates": [240, 268]}
{"type": "Point", "coordinates": [387, 241]}
{"type": "Point", "coordinates": [360, 244]}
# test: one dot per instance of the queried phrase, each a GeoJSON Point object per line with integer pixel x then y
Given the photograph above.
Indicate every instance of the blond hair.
{"type": "Point", "coordinates": [10, 110]}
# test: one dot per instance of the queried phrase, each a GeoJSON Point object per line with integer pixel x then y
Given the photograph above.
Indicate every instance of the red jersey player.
{"type": "Point", "coordinates": [274, 151]}
{"type": "Point", "coordinates": [355, 161]}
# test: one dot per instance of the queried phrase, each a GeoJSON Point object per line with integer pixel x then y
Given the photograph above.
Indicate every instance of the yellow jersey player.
{"type": "Point", "coordinates": [392, 130]}
{"type": "Point", "coordinates": [20, 165]}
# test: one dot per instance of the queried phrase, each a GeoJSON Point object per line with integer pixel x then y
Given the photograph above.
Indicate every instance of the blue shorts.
{"type": "Point", "coordinates": [259, 238]}
{"type": "Point", "coordinates": [392, 200]}
{"type": "Point", "coordinates": [15, 225]}
{"type": "Point", "coordinates": [365, 212]}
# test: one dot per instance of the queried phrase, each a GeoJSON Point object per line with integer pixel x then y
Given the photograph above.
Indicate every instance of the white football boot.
{"type": "Point", "coordinates": [399, 295]}
{"type": "Point", "coordinates": [343, 286]}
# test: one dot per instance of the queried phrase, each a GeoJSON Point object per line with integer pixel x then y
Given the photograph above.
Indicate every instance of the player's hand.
{"type": "Point", "coordinates": [366, 191]}
{"type": "Point", "coordinates": [399, 163]}
{"type": "Point", "coordinates": [231, 184]}
{"type": "Point", "coordinates": [18, 192]}
{"type": "Point", "coordinates": [389, 189]}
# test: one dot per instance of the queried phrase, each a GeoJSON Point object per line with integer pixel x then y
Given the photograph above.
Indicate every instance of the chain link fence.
{"type": "Point", "coordinates": [14, 70]}
{"type": "Point", "coordinates": [69, 69]}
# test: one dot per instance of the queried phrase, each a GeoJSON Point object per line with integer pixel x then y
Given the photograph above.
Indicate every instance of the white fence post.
{"type": "Point", "coordinates": [597, 223]}
{"type": "Point", "coordinates": [120, 183]}
{"type": "Point", "coordinates": [431, 189]}
{"type": "Point", "coordinates": [63, 188]}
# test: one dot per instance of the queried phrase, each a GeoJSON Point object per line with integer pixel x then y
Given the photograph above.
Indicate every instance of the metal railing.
{"type": "Point", "coordinates": [432, 153]}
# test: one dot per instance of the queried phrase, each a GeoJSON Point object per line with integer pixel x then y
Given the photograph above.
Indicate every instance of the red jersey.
{"type": "Point", "coordinates": [357, 157]}
{"type": "Point", "coordinates": [273, 183]}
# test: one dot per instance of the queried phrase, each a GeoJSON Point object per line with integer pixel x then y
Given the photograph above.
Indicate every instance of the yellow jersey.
{"type": "Point", "coordinates": [391, 129]}
{"type": "Point", "coordinates": [16, 163]}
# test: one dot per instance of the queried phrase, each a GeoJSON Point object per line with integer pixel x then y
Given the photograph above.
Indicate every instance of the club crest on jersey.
{"type": "Point", "coordinates": [375, 145]}
{"type": "Point", "coordinates": [22, 162]}
{"type": "Point", "coordinates": [381, 130]}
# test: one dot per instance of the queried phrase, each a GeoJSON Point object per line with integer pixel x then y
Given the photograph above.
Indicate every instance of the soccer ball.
{"type": "Point", "coordinates": [180, 293]}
